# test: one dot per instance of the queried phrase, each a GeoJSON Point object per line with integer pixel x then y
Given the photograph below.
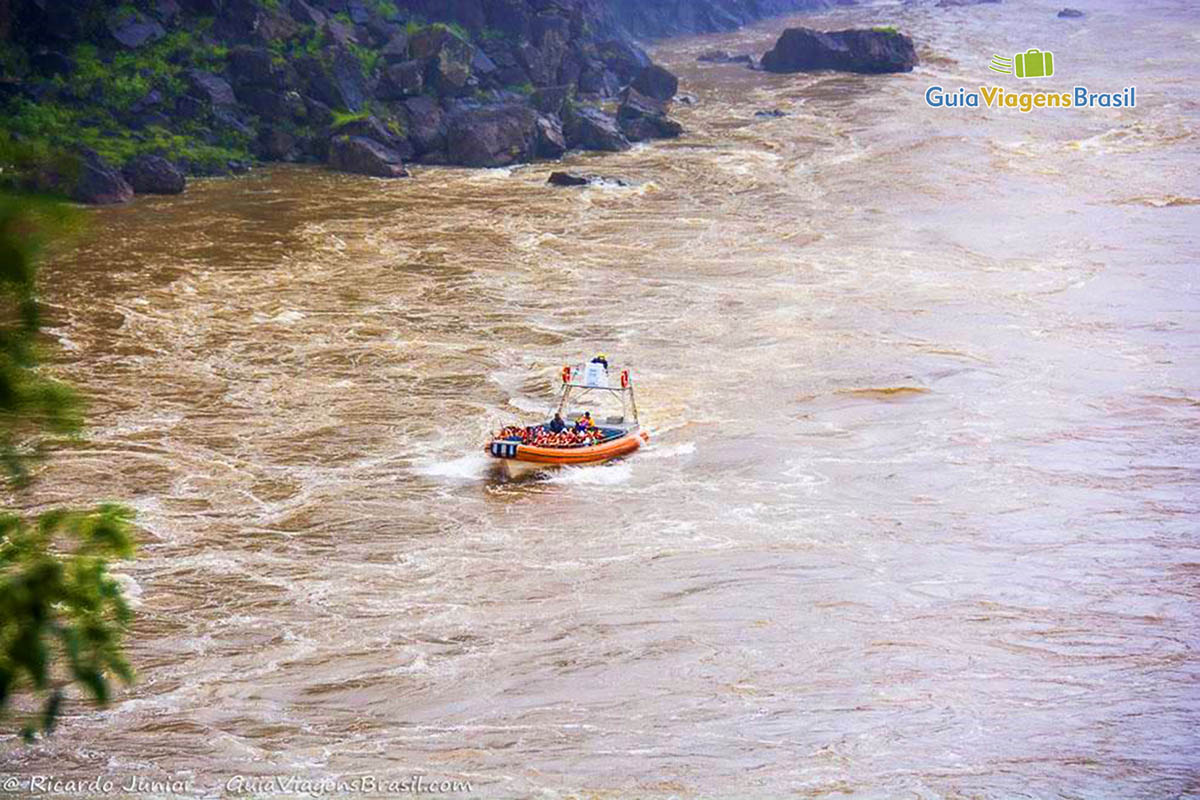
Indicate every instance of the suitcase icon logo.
{"type": "Point", "coordinates": [1033, 63]}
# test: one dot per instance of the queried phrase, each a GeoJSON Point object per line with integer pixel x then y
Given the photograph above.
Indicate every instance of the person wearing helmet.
{"type": "Point", "coordinates": [601, 359]}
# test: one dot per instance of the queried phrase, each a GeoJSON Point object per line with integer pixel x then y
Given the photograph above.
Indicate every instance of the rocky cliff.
{"type": "Point", "coordinates": [655, 18]}
{"type": "Point", "coordinates": [101, 99]}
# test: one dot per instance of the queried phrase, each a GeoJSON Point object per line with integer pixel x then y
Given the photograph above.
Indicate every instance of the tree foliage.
{"type": "Point", "coordinates": [62, 615]}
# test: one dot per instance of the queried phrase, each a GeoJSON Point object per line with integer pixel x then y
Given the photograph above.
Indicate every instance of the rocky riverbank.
{"type": "Point", "coordinates": [103, 100]}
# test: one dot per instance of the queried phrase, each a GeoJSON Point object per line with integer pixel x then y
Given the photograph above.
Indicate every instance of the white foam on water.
{"type": "Point", "coordinates": [668, 451]}
{"type": "Point", "coordinates": [594, 475]}
{"type": "Point", "coordinates": [471, 467]}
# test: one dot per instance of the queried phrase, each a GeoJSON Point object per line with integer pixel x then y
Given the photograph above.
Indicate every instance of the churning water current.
{"type": "Point", "coordinates": [918, 516]}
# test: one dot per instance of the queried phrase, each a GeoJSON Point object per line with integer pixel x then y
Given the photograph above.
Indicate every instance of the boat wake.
{"type": "Point", "coordinates": [607, 474]}
{"type": "Point", "coordinates": [472, 467]}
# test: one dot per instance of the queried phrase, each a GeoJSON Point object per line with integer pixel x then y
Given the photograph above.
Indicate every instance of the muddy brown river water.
{"type": "Point", "coordinates": [919, 513]}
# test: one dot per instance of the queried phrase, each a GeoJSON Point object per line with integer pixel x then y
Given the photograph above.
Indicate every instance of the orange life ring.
{"type": "Point", "coordinates": [566, 375]}
{"type": "Point", "coordinates": [624, 379]}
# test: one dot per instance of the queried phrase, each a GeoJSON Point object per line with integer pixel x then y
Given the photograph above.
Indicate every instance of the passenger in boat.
{"type": "Point", "coordinates": [601, 359]}
{"type": "Point", "coordinates": [557, 425]}
{"type": "Point", "coordinates": [584, 422]}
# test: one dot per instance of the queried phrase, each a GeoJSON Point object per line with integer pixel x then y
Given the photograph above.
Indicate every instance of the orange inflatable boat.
{"type": "Point", "coordinates": [582, 441]}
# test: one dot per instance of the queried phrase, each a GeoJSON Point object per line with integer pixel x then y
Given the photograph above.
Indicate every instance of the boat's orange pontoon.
{"type": "Point", "coordinates": [536, 446]}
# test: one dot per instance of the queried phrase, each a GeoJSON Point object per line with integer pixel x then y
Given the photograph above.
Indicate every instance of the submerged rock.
{"type": "Point", "coordinates": [561, 178]}
{"type": "Point", "coordinates": [770, 113]}
{"type": "Point", "coordinates": [558, 178]}
{"type": "Point", "coordinates": [855, 50]}
{"type": "Point", "coordinates": [724, 57]}
{"type": "Point", "coordinates": [1070, 13]}
{"type": "Point", "coordinates": [149, 174]}
{"type": "Point", "coordinates": [365, 156]}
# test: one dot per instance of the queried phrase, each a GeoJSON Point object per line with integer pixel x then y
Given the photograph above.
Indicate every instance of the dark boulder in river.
{"type": "Point", "coordinates": [365, 157]}
{"type": "Point", "coordinates": [559, 178]}
{"type": "Point", "coordinates": [724, 57]}
{"type": "Point", "coordinates": [1070, 13]}
{"type": "Point", "coordinates": [149, 174]}
{"type": "Point", "coordinates": [855, 50]}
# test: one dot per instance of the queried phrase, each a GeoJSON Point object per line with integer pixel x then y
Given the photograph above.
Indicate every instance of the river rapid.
{"type": "Point", "coordinates": [917, 518]}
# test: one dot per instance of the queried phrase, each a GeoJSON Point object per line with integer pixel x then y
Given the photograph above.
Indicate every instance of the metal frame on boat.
{"type": "Point", "coordinates": [623, 433]}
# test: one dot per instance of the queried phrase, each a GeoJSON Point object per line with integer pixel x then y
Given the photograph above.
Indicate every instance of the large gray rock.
{"type": "Point", "coordinates": [870, 51]}
{"type": "Point", "coordinates": [447, 59]}
{"type": "Point", "coordinates": [551, 142]}
{"type": "Point", "coordinates": [271, 104]}
{"type": "Point", "coordinates": [257, 66]}
{"type": "Point", "coordinates": [154, 175]}
{"type": "Point", "coordinates": [656, 82]}
{"type": "Point", "coordinates": [133, 29]}
{"type": "Point", "coordinates": [643, 117]}
{"type": "Point", "coordinates": [494, 136]}
{"type": "Point", "coordinates": [277, 144]}
{"type": "Point", "coordinates": [589, 128]}
{"type": "Point", "coordinates": [405, 79]}
{"type": "Point", "coordinates": [623, 57]}
{"type": "Point", "coordinates": [396, 48]}
{"type": "Point", "coordinates": [97, 183]}
{"type": "Point", "coordinates": [213, 88]}
{"type": "Point", "coordinates": [550, 99]}
{"type": "Point", "coordinates": [365, 156]}
{"type": "Point", "coordinates": [388, 133]}
{"type": "Point", "coordinates": [306, 14]}
{"type": "Point", "coordinates": [426, 124]}
{"type": "Point", "coordinates": [340, 84]}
